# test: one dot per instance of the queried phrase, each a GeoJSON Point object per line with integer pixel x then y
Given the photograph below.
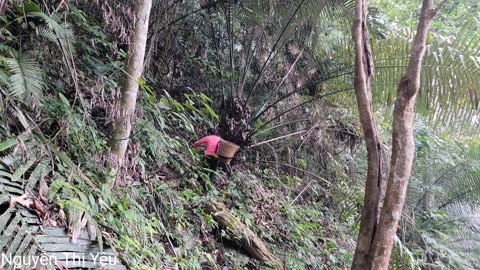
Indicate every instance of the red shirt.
{"type": "Point", "coordinates": [210, 142]}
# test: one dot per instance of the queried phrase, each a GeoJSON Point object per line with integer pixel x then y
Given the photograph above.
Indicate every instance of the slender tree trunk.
{"type": "Point", "coordinates": [129, 89]}
{"type": "Point", "coordinates": [363, 71]}
{"type": "Point", "coordinates": [375, 241]}
{"type": "Point", "coordinates": [403, 144]}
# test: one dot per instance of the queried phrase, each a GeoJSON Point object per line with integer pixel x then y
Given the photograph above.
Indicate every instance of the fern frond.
{"type": "Point", "coordinates": [402, 256]}
{"type": "Point", "coordinates": [75, 203]}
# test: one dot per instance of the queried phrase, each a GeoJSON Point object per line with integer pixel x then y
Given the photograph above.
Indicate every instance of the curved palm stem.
{"type": "Point", "coordinates": [267, 62]}
{"type": "Point", "coordinates": [215, 45]}
{"type": "Point", "coordinates": [437, 181]}
{"type": "Point", "coordinates": [299, 105]}
{"type": "Point", "coordinates": [280, 125]}
{"type": "Point", "coordinates": [279, 138]}
{"type": "Point", "coordinates": [230, 39]}
{"type": "Point", "coordinates": [282, 81]}
{"type": "Point", "coordinates": [452, 200]}
{"type": "Point", "coordinates": [297, 90]}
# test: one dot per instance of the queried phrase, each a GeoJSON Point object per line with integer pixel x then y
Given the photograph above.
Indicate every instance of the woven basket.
{"type": "Point", "coordinates": [227, 149]}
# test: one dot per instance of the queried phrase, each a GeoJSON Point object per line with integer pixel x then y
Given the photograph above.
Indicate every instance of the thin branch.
{"type": "Point", "coordinates": [301, 192]}
{"type": "Point", "coordinates": [440, 6]}
{"type": "Point", "coordinates": [230, 40]}
{"type": "Point", "coordinates": [215, 45]}
{"type": "Point", "coordinates": [278, 138]}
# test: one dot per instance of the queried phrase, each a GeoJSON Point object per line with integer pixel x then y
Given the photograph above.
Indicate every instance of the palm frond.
{"type": "Point", "coordinates": [26, 79]}
{"type": "Point", "coordinates": [438, 250]}
{"type": "Point", "coordinates": [17, 175]}
{"type": "Point", "coordinates": [48, 33]}
{"type": "Point", "coordinates": [450, 88]}
{"type": "Point", "coordinates": [63, 31]}
{"type": "Point", "coordinates": [330, 9]}
{"type": "Point", "coordinates": [466, 238]}
{"type": "Point", "coordinates": [443, 203]}
{"type": "Point", "coordinates": [37, 174]}
{"type": "Point", "coordinates": [17, 240]}
{"type": "Point", "coordinates": [444, 183]}
{"type": "Point", "coordinates": [314, 11]}
{"type": "Point", "coordinates": [299, 20]}
{"type": "Point", "coordinates": [16, 237]}
{"type": "Point", "coordinates": [7, 144]}
{"type": "Point", "coordinates": [317, 21]}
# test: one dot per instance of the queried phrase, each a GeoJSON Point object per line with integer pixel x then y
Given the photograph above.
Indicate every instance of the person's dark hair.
{"type": "Point", "coordinates": [212, 131]}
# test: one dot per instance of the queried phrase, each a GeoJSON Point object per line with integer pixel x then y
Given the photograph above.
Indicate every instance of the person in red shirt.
{"type": "Point", "coordinates": [210, 141]}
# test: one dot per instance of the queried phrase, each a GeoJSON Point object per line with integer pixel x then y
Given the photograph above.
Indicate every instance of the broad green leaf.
{"type": "Point", "coordinates": [22, 169]}
{"type": "Point", "coordinates": [7, 144]}
{"type": "Point", "coordinates": [64, 99]}
{"type": "Point", "coordinates": [210, 110]}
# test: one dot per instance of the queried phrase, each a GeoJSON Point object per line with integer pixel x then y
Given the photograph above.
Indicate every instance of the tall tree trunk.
{"type": "Point", "coordinates": [129, 89]}
{"type": "Point", "coordinates": [403, 144]}
{"type": "Point", "coordinates": [403, 148]}
{"type": "Point", "coordinates": [363, 71]}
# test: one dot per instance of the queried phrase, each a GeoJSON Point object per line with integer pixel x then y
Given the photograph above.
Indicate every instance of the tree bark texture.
{"type": "Point", "coordinates": [237, 230]}
{"type": "Point", "coordinates": [374, 247]}
{"type": "Point", "coordinates": [363, 69]}
{"type": "Point", "coordinates": [403, 144]}
{"type": "Point", "coordinates": [133, 69]}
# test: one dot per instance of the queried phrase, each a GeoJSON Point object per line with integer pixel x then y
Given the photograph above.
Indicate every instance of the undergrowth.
{"type": "Point", "coordinates": [155, 215]}
{"type": "Point", "coordinates": [157, 221]}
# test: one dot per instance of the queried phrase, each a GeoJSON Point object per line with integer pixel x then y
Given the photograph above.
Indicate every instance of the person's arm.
{"type": "Point", "coordinates": [200, 142]}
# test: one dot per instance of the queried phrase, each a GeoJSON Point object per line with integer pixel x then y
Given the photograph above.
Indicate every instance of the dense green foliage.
{"type": "Point", "coordinates": [60, 71]}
